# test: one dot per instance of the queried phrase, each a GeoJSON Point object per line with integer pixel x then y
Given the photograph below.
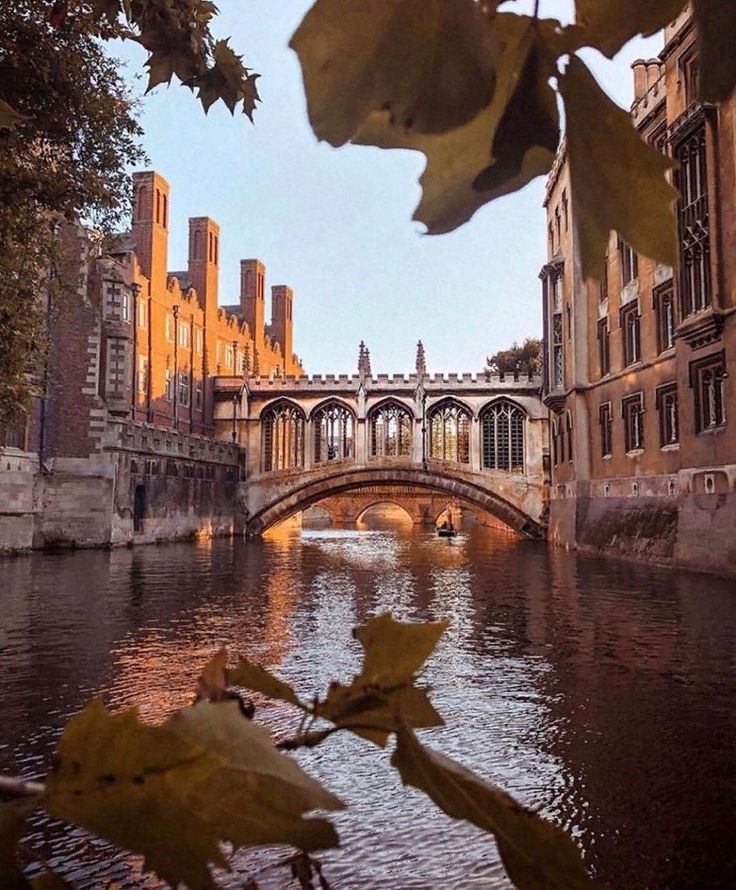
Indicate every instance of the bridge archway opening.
{"type": "Point", "coordinates": [384, 514]}
{"type": "Point", "coordinates": [317, 517]}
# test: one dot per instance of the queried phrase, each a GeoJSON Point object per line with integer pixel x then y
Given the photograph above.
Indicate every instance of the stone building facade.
{"type": "Point", "coordinates": [119, 445]}
{"type": "Point", "coordinates": [643, 429]}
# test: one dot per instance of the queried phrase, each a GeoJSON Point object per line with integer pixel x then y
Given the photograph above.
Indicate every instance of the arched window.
{"type": "Point", "coordinates": [502, 425]}
{"type": "Point", "coordinates": [283, 437]}
{"type": "Point", "coordinates": [333, 433]}
{"type": "Point", "coordinates": [142, 201]}
{"type": "Point", "coordinates": [449, 433]}
{"type": "Point", "coordinates": [390, 425]}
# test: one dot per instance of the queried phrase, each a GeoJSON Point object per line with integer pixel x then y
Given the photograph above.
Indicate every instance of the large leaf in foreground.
{"type": "Point", "coordinates": [173, 792]}
{"type": "Point", "coordinates": [394, 653]}
{"type": "Point", "coordinates": [429, 63]}
{"type": "Point", "coordinates": [536, 854]}
{"type": "Point", "coordinates": [609, 24]}
{"type": "Point", "coordinates": [250, 675]}
{"type": "Point", "coordinates": [11, 827]}
{"type": "Point", "coordinates": [617, 181]}
{"type": "Point", "coordinates": [458, 162]}
{"type": "Point", "coordinates": [127, 782]}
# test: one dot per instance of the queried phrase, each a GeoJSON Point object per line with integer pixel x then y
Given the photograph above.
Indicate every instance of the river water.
{"type": "Point", "coordinates": [602, 693]}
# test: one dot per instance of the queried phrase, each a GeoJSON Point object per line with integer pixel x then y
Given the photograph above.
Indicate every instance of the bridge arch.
{"type": "Point", "coordinates": [286, 502]}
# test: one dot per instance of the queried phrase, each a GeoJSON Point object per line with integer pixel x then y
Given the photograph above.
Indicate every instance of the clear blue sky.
{"type": "Point", "coordinates": [335, 224]}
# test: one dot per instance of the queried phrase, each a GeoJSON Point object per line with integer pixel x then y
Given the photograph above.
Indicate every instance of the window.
{"type": "Point", "coordinates": [449, 433]}
{"type": "Point", "coordinates": [198, 394]}
{"type": "Point", "coordinates": [198, 341]}
{"type": "Point", "coordinates": [142, 314]}
{"type": "Point", "coordinates": [117, 367]}
{"type": "Point", "coordinates": [169, 327]}
{"type": "Point", "coordinates": [603, 283]}
{"type": "Point", "coordinates": [168, 385]}
{"type": "Point", "coordinates": [690, 67]}
{"type": "Point", "coordinates": [605, 419]}
{"type": "Point", "coordinates": [558, 353]}
{"type": "Point", "coordinates": [630, 333]}
{"type": "Point", "coordinates": [669, 431]}
{"type": "Point", "coordinates": [664, 307]}
{"type": "Point", "coordinates": [283, 437]}
{"type": "Point", "coordinates": [555, 442]}
{"type": "Point", "coordinates": [184, 388]}
{"type": "Point", "coordinates": [502, 430]}
{"type": "Point", "coordinates": [228, 357]}
{"type": "Point", "coordinates": [390, 430]}
{"type": "Point", "coordinates": [708, 377]}
{"type": "Point", "coordinates": [565, 209]}
{"type": "Point", "coordinates": [333, 433]}
{"type": "Point", "coordinates": [142, 375]}
{"type": "Point", "coordinates": [629, 263]}
{"type": "Point", "coordinates": [117, 301]}
{"type": "Point", "coordinates": [604, 347]}
{"type": "Point", "coordinates": [568, 434]}
{"type": "Point", "coordinates": [550, 239]}
{"type": "Point", "coordinates": [184, 334]}
{"type": "Point", "coordinates": [693, 224]}
{"type": "Point", "coordinates": [632, 409]}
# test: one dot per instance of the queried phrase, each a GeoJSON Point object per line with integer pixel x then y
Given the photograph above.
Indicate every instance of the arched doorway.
{"type": "Point", "coordinates": [139, 507]}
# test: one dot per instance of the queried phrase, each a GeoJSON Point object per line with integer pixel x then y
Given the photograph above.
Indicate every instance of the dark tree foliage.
{"type": "Point", "coordinates": [524, 359]}
{"type": "Point", "coordinates": [66, 157]}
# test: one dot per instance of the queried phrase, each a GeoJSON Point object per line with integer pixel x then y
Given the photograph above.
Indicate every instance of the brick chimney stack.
{"type": "Point", "coordinates": [150, 229]}
{"type": "Point", "coordinates": [282, 321]}
{"type": "Point", "coordinates": [252, 300]}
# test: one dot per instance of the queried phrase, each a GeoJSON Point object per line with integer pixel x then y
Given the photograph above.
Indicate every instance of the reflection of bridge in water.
{"type": "Point", "coordinates": [419, 441]}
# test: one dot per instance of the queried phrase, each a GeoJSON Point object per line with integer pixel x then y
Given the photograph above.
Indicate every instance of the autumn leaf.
{"type": "Point", "coordinates": [9, 117]}
{"type": "Point", "coordinates": [536, 854]}
{"type": "Point", "coordinates": [213, 681]}
{"type": "Point", "coordinates": [253, 793]}
{"type": "Point", "coordinates": [609, 24]}
{"type": "Point", "coordinates": [158, 791]}
{"type": "Point", "coordinates": [11, 828]}
{"type": "Point", "coordinates": [476, 163]}
{"type": "Point", "coordinates": [394, 653]}
{"type": "Point", "coordinates": [428, 63]}
{"type": "Point", "coordinates": [252, 676]}
{"type": "Point", "coordinates": [617, 181]}
{"type": "Point", "coordinates": [227, 79]}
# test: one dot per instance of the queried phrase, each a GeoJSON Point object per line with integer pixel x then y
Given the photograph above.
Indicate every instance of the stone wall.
{"type": "Point", "coordinates": [18, 471]}
{"type": "Point", "coordinates": [686, 519]}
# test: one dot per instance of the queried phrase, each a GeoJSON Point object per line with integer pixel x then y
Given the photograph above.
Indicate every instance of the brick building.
{"type": "Point", "coordinates": [643, 429]}
{"type": "Point", "coordinates": [120, 440]}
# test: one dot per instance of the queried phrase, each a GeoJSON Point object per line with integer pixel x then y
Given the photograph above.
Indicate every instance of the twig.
{"type": "Point", "coordinates": [12, 786]}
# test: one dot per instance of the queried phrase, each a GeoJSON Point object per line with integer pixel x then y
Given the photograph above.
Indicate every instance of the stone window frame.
{"type": "Point", "coordinates": [632, 414]}
{"type": "Point", "coordinates": [334, 428]}
{"type": "Point", "coordinates": [668, 411]}
{"type": "Point", "coordinates": [184, 389]}
{"type": "Point", "coordinates": [707, 377]}
{"type": "Point", "coordinates": [283, 425]}
{"type": "Point", "coordinates": [449, 428]}
{"type": "Point", "coordinates": [665, 310]}
{"type": "Point", "coordinates": [381, 440]}
{"type": "Point", "coordinates": [503, 426]}
{"type": "Point", "coordinates": [604, 346]}
{"type": "Point", "coordinates": [142, 317]}
{"type": "Point", "coordinates": [629, 262]}
{"type": "Point", "coordinates": [184, 334]}
{"type": "Point", "coordinates": [630, 323]}
{"type": "Point", "coordinates": [693, 213]}
{"type": "Point", "coordinates": [605, 422]}
{"type": "Point", "coordinates": [569, 427]}
{"type": "Point", "coordinates": [169, 327]}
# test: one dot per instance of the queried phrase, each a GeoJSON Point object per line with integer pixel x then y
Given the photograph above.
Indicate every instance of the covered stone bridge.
{"type": "Point", "coordinates": [435, 440]}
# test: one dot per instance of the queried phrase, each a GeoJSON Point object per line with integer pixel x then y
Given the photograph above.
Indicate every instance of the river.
{"type": "Point", "coordinates": [600, 692]}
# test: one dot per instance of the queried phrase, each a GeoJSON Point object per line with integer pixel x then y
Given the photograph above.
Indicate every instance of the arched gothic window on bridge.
{"type": "Point", "coordinates": [283, 437]}
{"type": "Point", "coordinates": [334, 427]}
{"type": "Point", "coordinates": [390, 426]}
{"type": "Point", "coordinates": [502, 426]}
{"type": "Point", "coordinates": [449, 433]}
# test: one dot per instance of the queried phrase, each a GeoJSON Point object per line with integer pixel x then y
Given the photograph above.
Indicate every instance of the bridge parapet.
{"type": "Point", "coordinates": [352, 382]}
